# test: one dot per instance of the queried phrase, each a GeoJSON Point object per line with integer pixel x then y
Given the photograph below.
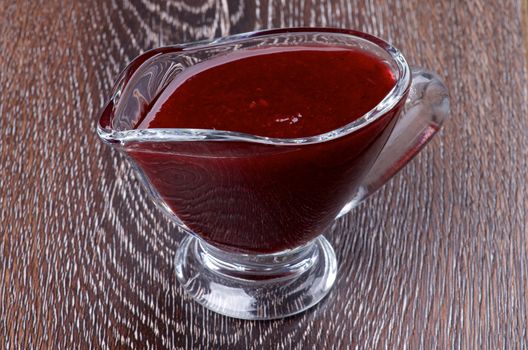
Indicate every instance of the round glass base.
{"type": "Point", "coordinates": [256, 287]}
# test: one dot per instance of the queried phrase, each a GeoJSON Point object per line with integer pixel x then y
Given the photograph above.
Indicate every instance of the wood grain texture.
{"type": "Point", "coordinates": [436, 259]}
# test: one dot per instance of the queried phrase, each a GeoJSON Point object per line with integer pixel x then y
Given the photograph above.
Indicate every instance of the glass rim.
{"type": "Point", "coordinates": [389, 102]}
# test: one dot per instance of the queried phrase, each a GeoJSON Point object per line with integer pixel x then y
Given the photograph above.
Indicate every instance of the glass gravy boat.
{"type": "Point", "coordinates": [255, 207]}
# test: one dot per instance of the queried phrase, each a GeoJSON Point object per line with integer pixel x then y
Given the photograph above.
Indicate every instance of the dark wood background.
{"type": "Point", "coordinates": [436, 259]}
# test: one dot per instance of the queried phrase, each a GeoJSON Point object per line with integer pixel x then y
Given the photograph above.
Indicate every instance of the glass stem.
{"type": "Point", "coordinates": [286, 264]}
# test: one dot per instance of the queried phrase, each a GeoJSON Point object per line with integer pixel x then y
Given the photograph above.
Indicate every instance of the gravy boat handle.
{"type": "Point", "coordinates": [426, 109]}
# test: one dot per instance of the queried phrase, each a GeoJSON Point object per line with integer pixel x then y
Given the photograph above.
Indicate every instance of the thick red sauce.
{"type": "Point", "coordinates": [285, 92]}
{"type": "Point", "coordinates": [256, 197]}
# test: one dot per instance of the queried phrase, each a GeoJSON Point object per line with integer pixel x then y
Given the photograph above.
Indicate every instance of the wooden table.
{"type": "Point", "coordinates": [436, 259]}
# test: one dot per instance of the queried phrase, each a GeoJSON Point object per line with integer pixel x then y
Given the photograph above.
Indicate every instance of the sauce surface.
{"type": "Point", "coordinates": [282, 92]}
